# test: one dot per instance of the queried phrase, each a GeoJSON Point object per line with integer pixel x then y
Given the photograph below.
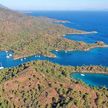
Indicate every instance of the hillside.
{"type": "Point", "coordinates": [3, 7]}
{"type": "Point", "coordinates": [42, 84]}
{"type": "Point", "coordinates": [27, 35]}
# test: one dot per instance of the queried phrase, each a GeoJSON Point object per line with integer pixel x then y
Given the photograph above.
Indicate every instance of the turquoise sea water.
{"type": "Point", "coordinates": [89, 21]}
{"type": "Point", "coordinates": [97, 80]}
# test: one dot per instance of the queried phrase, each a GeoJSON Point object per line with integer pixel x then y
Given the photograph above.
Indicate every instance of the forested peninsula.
{"type": "Point", "coordinates": [27, 35]}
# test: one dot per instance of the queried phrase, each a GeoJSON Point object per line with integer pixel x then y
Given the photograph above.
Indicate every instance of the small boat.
{"type": "Point", "coordinates": [21, 59]}
{"type": "Point", "coordinates": [1, 67]}
{"type": "Point", "coordinates": [7, 56]}
{"type": "Point", "coordinates": [65, 51]}
{"type": "Point", "coordinates": [24, 58]}
{"type": "Point", "coordinates": [10, 55]}
{"type": "Point", "coordinates": [56, 50]}
{"type": "Point", "coordinates": [82, 75]}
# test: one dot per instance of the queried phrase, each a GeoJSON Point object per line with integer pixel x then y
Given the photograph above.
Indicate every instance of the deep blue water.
{"type": "Point", "coordinates": [96, 56]}
{"type": "Point", "coordinates": [11, 62]}
{"type": "Point", "coordinates": [89, 21]}
{"type": "Point", "coordinates": [97, 80]}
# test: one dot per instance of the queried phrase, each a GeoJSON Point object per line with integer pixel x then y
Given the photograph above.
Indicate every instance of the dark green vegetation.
{"type": "Point", "coordinates": [27, 35]}
{"type": "Point", "coordinates": [42, 84]}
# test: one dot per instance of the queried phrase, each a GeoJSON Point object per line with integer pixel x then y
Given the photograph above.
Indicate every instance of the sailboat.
{"type": "Point", "coordinates": [6, 51]}
{"type": "Point", "coordinates": [21, 59]}
{"type": "Point", "coordinates": [24, 58]}
{"type": "Point", "coordinates": [82, 75]}
{"type": "Point", "coordinates": [7, 56]}
{"type": "Point", "coordinates": [10, 55]}
{"type": "Point", "coordinates": [65, 51]}
{"type": "Point", "coordinates": [1, 67]}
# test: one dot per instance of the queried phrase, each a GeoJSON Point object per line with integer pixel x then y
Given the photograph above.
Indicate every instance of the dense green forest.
{"type": "Point", "coordinates": [41, 84]}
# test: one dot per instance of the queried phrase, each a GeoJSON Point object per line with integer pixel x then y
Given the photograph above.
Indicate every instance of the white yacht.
{"type": "Point", "coordinates": [82, 74]}
{"type": "Point", "coordinates": [65, 51]}
{"type": "Point", "coordinates": [1, 67]}
{"type": "Point", "coordinates": [6, 51]}
{"type": "Point", "coordinates": [21, 59]}
{"type": "Point", "coordinates": [7, 56]}
{"type": "Point", "coordinates": [10, 55]}
{"type": "Point", "coordinates": [24, 58]}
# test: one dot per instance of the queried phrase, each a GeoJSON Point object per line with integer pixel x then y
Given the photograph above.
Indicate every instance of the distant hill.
{"type": "Point", "coordinates": [2, 6]}
{"type": "Point", "coordinates": [27, 35]}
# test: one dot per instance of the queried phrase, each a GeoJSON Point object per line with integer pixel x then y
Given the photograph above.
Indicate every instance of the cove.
{"type": "Point", "coordinates": [96, 56]}
{"type": "Point", "coordinates": [82, 20]}
{"type": "Point", "coordinates": [7, 60]}
{"type": "Point", "coordinates": [87, 38]}
{"type": "Point", "coordinates": [93, 80]}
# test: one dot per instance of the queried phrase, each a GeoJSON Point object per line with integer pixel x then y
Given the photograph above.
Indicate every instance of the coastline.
{"type": "Point", "coordinates": [96, 45]}
{"type": "Point", "coordinates": [51, 39]}
{"type": "Point", "coordinates": [54, 56]}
